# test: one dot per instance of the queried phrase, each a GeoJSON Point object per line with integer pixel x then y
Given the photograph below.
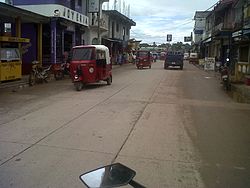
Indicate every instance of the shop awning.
{"type": "Point", "coordinates": [208, 40]}
{"type": "Point", "coordinates": [113, 40]}
{"type": "Point", "coordinates": [9, 13]}
{"type": "Point", "coordinates": [237, 33]}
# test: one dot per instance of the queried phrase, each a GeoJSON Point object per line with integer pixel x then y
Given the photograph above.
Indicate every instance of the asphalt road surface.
{"type": "Point", "coordinates": [175, 128]}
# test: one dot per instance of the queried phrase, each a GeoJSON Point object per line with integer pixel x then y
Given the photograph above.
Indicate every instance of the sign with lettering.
{"type": "Point", "coordinates": [13, 39]}
{"type": "Point", "coordinates": [187, 39]}
{"type": "Point", "coordinates": [55, 10]}
{"type": "Point", "coordinates": [94, 6]}
{"type": "Point", "coordinates": [169, 37]}
{"type": "Point", "coordinates": [74, 16]}
{"type": "Point", "coordinates": [209, 63]}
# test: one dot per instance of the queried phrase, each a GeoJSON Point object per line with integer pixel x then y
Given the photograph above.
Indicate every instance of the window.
{"type": "Point", "coordinates": [100, 54]}
{"type": "Point", "coordinates": [243, 54]}
{"type": "Point", "coordinates": [72, 4]}
{"type": "Point", "coordinates": [123, 33]}
{"type": "Point", "coordinates": [95, 41]}
{"type": "Point", "coordinates": [82, 54]}
{"type": "Point", "coordinates": [79, 3]}
{"type": "Point", "coordinates": [7, 27]}
{"type": "Point", "coordinates": [113, 30]}
{"type": "Point", "coordinates": [117, 27]}
{"type": "Point", "coordinates": [142, 54]}
{"type": "Point", "coordinates": [9, 54]}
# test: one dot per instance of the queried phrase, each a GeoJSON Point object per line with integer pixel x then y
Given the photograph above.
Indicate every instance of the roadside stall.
{"type": "Point", "coordinates": [10, 58]}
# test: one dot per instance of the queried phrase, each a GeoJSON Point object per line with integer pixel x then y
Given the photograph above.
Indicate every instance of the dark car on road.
{"type": "Point", "coordinates": [173, 59]}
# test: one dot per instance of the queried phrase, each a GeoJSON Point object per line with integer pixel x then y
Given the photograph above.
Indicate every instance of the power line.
{"type": "Point", "coordinates": [213, 6]}
{"type": "Point", "coordinates": [181, 24]}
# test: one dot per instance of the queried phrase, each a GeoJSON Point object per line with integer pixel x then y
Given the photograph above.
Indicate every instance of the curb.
{"type": "Point", "coordinates": [115, 66]}
{"type": "Point", "coordinates": [241, 93]}
{"type": "Point", "coordinates": [16, 85]}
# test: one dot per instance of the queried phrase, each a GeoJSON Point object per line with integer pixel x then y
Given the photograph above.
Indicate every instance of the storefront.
{"type": "Point", "coordinates": [19, 24]}
{"type": "Point", "coordinates": [241, 53]}
{"type": "Point", "coordinates": [66, 28]}
{"type": "Point", "coordinates": [115, 48]}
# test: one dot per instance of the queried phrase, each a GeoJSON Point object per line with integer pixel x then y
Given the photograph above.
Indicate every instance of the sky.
{"type": "Point", "coordinates": [156, 19]}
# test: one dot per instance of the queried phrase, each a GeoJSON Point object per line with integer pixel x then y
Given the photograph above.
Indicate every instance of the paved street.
{"type": "Point", "coordinates": [176, 128]}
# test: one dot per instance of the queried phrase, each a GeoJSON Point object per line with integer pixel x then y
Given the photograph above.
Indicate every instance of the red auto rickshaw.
{"type": "Point", "coordinates": [143, 59]}
{"type": "Point", "coordinates": [90, 64]}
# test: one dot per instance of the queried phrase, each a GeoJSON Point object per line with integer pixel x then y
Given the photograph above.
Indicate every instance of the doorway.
{"type": "Point", "coordinates": [68, 41]}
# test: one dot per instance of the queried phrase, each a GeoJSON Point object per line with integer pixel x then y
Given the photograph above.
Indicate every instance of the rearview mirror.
{"type": "Point", "coordinates": [113, 175]}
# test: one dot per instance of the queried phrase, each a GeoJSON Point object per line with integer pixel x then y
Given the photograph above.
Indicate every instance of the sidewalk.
{"type": "Point", "coordinates": [15, 84]}
{"type": "Point", "coordinates": [239, 92]}
{"type": "Point", "coordinates": [24, 81]}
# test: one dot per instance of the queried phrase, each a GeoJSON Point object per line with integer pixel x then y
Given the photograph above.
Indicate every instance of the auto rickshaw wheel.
{"type": "Point", "coordinates": [78, 86]}
{"type": "Point", "coordinates": [109, 80]}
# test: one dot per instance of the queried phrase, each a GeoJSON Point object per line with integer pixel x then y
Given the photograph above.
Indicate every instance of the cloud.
{"type": "Point", "coordinates": [155, 19]}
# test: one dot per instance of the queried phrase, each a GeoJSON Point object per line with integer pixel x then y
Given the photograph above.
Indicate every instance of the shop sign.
{"type": "Point", "coordinates": [55, 10]}
{"type": "Point", "coordinates": [209, 63]}
{"type": "Point", "coordinates": [74, 16]}
{"type": "Point", "coordinates": [187, 39]}
{"type": "Point", "coordinates": [13, 39]}
{"type": "Point", "coordinates": [94, 6]}
{"type": "Point", "coordinates": [198, 31]}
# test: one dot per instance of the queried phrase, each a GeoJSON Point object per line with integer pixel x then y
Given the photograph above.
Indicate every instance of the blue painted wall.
{"type": "Point", "coordinates": [65, 3]}
{"type": "Point", "coordinates": [29, 31]}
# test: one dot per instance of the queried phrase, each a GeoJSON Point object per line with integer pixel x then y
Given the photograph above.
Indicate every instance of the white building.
{"type": "Point", "coordinates": [199, 26]}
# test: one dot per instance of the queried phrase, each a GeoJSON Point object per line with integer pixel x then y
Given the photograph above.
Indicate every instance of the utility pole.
{"type": "Point", "coordinates": [98, 20]}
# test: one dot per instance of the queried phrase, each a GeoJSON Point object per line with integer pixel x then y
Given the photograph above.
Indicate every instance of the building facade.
{"type": "Point", "coordinates": [117, 35]}
{"type": "Point", "coordinates": [67, 27]}
{"type": "Point", "coordinates": [200, 24]}
{"type": "Point", "coordinates": [227, 35]}
{"type": "Point", "coordinates": [199, 31]}
{"type": "Point", "coordinates": [60, 24]}
{"type": "Point", "coordinates": [14, 22]}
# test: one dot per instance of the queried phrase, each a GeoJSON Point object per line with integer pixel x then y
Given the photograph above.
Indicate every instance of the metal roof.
{"type": "Point", "coordinates": [8, 13]}
{"type": "Point", "coordinates": [201, 14]}
{"type": "Point", "coordinates": [118, 15]}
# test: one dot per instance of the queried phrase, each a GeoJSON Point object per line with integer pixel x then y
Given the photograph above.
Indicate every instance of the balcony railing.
{"type": "Point", "coordinates": [223, 27]}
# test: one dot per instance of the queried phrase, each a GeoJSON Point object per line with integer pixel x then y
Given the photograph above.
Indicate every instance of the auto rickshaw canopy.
{"type": "Point", "coordinates": [99, 50]}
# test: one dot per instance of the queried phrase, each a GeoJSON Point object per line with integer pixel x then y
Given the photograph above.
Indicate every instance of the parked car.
{"type": "Point", "coordinates": [173, 59]}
